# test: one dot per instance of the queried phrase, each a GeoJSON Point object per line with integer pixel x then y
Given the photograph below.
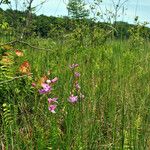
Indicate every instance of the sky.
{"type": "Point", "coordinates": [140, 8]}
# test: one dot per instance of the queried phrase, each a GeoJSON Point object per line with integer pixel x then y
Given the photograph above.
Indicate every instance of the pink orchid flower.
{"type": "Point", "coordinates": [73, 98]}
{"type": "Point", "coordinates": [77, 74]}
{"type": "Point", "coordinates": [46, 88]}
{"type": "Point", "coordinates": [77, 86]}
{"type": "Point", "coordinates": [50, 100]}
{"type": "Point", "coordinates": [52, 108]}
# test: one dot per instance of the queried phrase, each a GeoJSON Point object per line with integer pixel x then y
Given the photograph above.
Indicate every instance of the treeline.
{"type": "Point", "coordinates": [14, 21]}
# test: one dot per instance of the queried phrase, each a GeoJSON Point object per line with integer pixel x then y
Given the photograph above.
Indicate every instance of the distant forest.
{"type": "Point", "coordinates": [51, 27]}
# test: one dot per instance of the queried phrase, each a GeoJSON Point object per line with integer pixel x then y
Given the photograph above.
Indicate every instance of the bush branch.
{"type": "Point", "coordinates": [17, 77]}
{"type": "Point", "coordinates": [24, 43]}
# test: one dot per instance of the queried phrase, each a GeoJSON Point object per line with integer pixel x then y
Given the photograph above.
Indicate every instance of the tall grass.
{"type": "Point", "coordinates": [115, 113]}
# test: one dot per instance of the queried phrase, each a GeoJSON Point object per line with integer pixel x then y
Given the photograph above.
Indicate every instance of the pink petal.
{"type": "Point", "coordinates": [73, 99]}
{"type": "Point", "coordinates": [54, 80]}
{"type": "Point", "coordinates": [77, 74]}
{"type": "Point", "coordinates": [52, 100]}
{"type": "Point", "coordinates": [77, 86]}
{"type": "Point", "coordinates": [44, 85]}
{"type": "Point", "coordinates": [52, 108]}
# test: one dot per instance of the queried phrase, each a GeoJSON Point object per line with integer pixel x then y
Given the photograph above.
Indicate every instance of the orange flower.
{"type": "Point", "coordinates": [6, 60]}
{"type": "Point", "coordinates": [19, 53]}
{"type": "Point", "coordinates": [25, 67]}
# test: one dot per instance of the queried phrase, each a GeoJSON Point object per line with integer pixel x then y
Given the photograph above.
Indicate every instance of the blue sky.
{"type": "Point", "coordinates": [134, 8]}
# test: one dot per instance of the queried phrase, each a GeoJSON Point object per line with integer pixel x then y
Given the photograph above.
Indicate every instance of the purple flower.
{"type": "Point", "coordinates": [77, 74]}
{"type": "Point", "coordinates": [73, 99]}
{"type": "Point", "coordinates": [73, 66]}
{"type": "Point", "coordinates": [46, 89]}
{"type": "Point", "coordinates": [52, 108]}
{"type": "Point", "coordinates": [52, 100]}
{"type": "Point", "coordinates": [45, 86]}
{"type": "Point", "coordinates": [42, 91]}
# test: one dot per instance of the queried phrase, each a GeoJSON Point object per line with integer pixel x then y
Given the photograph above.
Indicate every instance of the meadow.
{"type": "Point", "coordinates": [67, 96]}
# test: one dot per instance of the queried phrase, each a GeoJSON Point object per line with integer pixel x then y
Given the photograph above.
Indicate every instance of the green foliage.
{"type": "Point", "coordinates": [14, 22]}
{"type": "Point", "coordinates": [5, 28]}
{"type": "Point", "coordinates": [77, 10]}
{"type": "Point", "coordinates": [136, 38]}
{"type": "Point", "coordinates": [7, 115]}
{"type": "Point", "coordinates": [6, 63]}
{"type": "Point", "coordinates": [122, 30]}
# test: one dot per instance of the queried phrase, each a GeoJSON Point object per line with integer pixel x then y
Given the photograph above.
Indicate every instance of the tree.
{"type": "Point", "coordinates": [4, 2]}
{"type": "Point", "coordinates": [77, 10]}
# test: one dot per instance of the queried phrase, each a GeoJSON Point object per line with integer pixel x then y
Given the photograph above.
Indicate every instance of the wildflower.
{"type": "Point", "coordinates": [6, 60]}
{"type": "Point", "coordinates": [50, 100]}
{"type": "Point", "coordinates": [54, 80]}
{"type": "Point", "coordinates": [25, 67]}
{"type": "Point", "coordinates": [33, 84]}
{"type": "Point", "coordinates": [77, 74]}
{"type": "Point", "coordinates": [52, 108]}
{"type": "Point", "coordinates": [73, 66]}
{"type": "Point", "coordinates": [73, 99]}
{"type": "Point", "coordinates": [19, 53]}
{"type": "Point", "coordinates": [46, 88]}
{"type": "Point", "coordinates": [77, 86]}
{"type": "Point", "coordinates": [42, 91]}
